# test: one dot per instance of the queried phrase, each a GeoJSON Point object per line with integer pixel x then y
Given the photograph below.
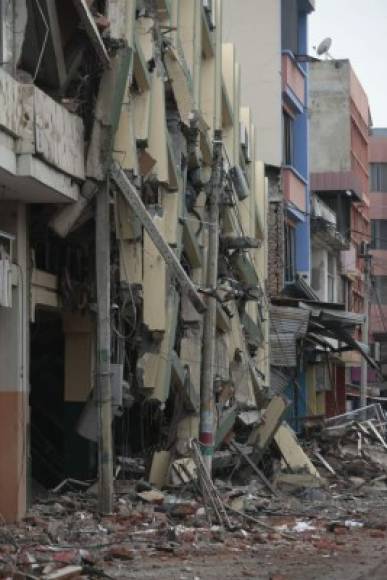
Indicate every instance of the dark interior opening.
{"type": "Point", "coordinates": [46, 398]}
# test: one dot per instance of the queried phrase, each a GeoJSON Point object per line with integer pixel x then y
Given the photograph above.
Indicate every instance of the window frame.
{"type": "Point", "coordinates": [288, 139]}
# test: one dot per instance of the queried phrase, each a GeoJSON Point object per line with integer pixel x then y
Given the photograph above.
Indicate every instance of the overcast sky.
{"type": "Point", "coordinates": [358, 29]}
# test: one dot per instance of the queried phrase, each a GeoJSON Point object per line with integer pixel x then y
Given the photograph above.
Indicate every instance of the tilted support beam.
{"type": "Point", "coordinates": [130, 194]}
{"type": "Point", "coordinates": [92, 31]}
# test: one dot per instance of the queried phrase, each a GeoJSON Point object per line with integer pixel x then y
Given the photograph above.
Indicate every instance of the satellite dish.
{"type": "Point", "coordinates": [324, 46]}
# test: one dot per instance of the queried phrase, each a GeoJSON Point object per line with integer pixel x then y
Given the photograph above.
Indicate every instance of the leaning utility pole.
{"type": "Point", "coordinates": [206, 435]}
{"type": "Point", "coordinates": [103, 377]}
{"type": "Point", "coordinates": [365, 327]}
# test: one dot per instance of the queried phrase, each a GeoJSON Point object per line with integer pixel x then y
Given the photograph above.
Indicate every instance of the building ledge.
{"type": "Point", "coordinates": [340, 181]}
{"type": "Point", "coordinates": [27, 178]}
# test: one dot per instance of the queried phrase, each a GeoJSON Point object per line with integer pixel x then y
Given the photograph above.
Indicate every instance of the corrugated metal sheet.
{"type": "Point", "coordinates": [287, 325]}
{"type": "Point", "coordinates": [283, 350]}
{"type": "Point", "coordinates": [278, 381]}
{"type": "Point", "coordinates": [289, 320]}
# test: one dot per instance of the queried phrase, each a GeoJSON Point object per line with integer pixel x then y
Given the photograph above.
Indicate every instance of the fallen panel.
{"type": "Point", "coordinates": [132, 197]}
{"type": "Point", "coordinates": [263, 435]}
{"type": "Point", "coordinates": [293, 454]}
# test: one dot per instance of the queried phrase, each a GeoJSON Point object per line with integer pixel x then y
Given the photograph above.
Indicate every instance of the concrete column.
{"type": "Point", "coordinates": [14, 408]}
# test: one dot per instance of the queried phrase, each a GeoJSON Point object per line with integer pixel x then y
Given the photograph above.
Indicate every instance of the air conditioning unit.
{"type": "Point", "coordinates": [375, 351]}
{"type": "Point", "coordinates": [6, 243]}
{"type": "Point", "coordinates": [239, 182]}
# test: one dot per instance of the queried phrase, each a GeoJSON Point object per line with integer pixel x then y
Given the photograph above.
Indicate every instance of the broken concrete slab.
{"type": "Point", "coordinates": [295, 481]}
{"type": "Point", "coordinates": [152, 496]}
{"type": "Point", "coordinates": [262, 436]}
{"type": "Point", "coordinates": [64, 573]}
{"type": "Point", "coordinates": [293, 454]}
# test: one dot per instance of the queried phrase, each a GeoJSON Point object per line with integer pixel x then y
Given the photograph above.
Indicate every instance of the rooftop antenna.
{"type": "Point", "coordinates": [323, 48]}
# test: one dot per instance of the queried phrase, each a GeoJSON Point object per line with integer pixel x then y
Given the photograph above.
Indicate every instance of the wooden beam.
{"type": "Point", "coordinates": [92, 31]}
{"type": "Point", "coordinates": [131, 195]}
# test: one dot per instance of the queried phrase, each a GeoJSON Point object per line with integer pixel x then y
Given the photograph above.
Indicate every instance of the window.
{"type": "Point", "coordinates": [323, 379]}
{"type": "Point", "coordinates": [378, 177]}
{"type": "Point", "coordinates": [288, 137]}
{"type": "Point", "coordinates": [379, 234]}
{"type": "Point", "coordinates": [331, 278]}
{"type": "Point", "coordinates": [290, 19]}
{"type": "Point", "coordinates": [379, 290]}
{"type": "Point", "coordinates": [346, 286]}
{"type": "Point", "coordinates": [290, 253]}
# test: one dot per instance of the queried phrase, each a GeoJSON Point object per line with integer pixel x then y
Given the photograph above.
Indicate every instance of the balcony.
{"type": "Point", "coordinates": [41, 146]}
{"type": "Point", "coordinates": [294, 188]}
{"type": "Point", "coordinates": [324, 227]}
{"type": "Point", "coordinates": [293, 82]}
{"type": "Point", "coordinates": [346, 182]}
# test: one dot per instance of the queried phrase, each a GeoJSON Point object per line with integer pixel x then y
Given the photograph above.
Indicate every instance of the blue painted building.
{"type": "Point", "coordinates": [295, 170]}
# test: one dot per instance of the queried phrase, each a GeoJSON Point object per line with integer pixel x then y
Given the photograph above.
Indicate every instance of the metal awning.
{"type": "Point", "coordinates": [288, 324]}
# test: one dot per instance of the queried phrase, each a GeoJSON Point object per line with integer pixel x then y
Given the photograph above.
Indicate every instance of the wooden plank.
{"type": "Point", "coordinates": [92, 31]}
{"type": "Point", "coordinates": [44, 279]}
{"type": "Point", "coordinates": [131, 195]}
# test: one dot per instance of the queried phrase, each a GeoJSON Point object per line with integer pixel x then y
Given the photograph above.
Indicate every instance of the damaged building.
{"type": "Point", "coordinates": [119, 122]}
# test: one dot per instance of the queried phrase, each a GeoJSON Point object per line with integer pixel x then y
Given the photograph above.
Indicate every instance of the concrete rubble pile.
{"type": "Point", "coordinates": [266, 492]}
{"type": "Point", "coordinates": [351, 450]}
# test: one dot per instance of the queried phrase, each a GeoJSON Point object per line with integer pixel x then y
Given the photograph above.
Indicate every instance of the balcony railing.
{"type": "Point", "coordinates": [320, 209]}
{"type": "Point", "coordinates": [324, 226]}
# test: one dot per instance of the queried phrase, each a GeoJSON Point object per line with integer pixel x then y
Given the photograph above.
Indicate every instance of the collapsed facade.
{"type": "Point", "coordinates": [141, 204]}
{"type": "Point", "coordinates": [143, 85]}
